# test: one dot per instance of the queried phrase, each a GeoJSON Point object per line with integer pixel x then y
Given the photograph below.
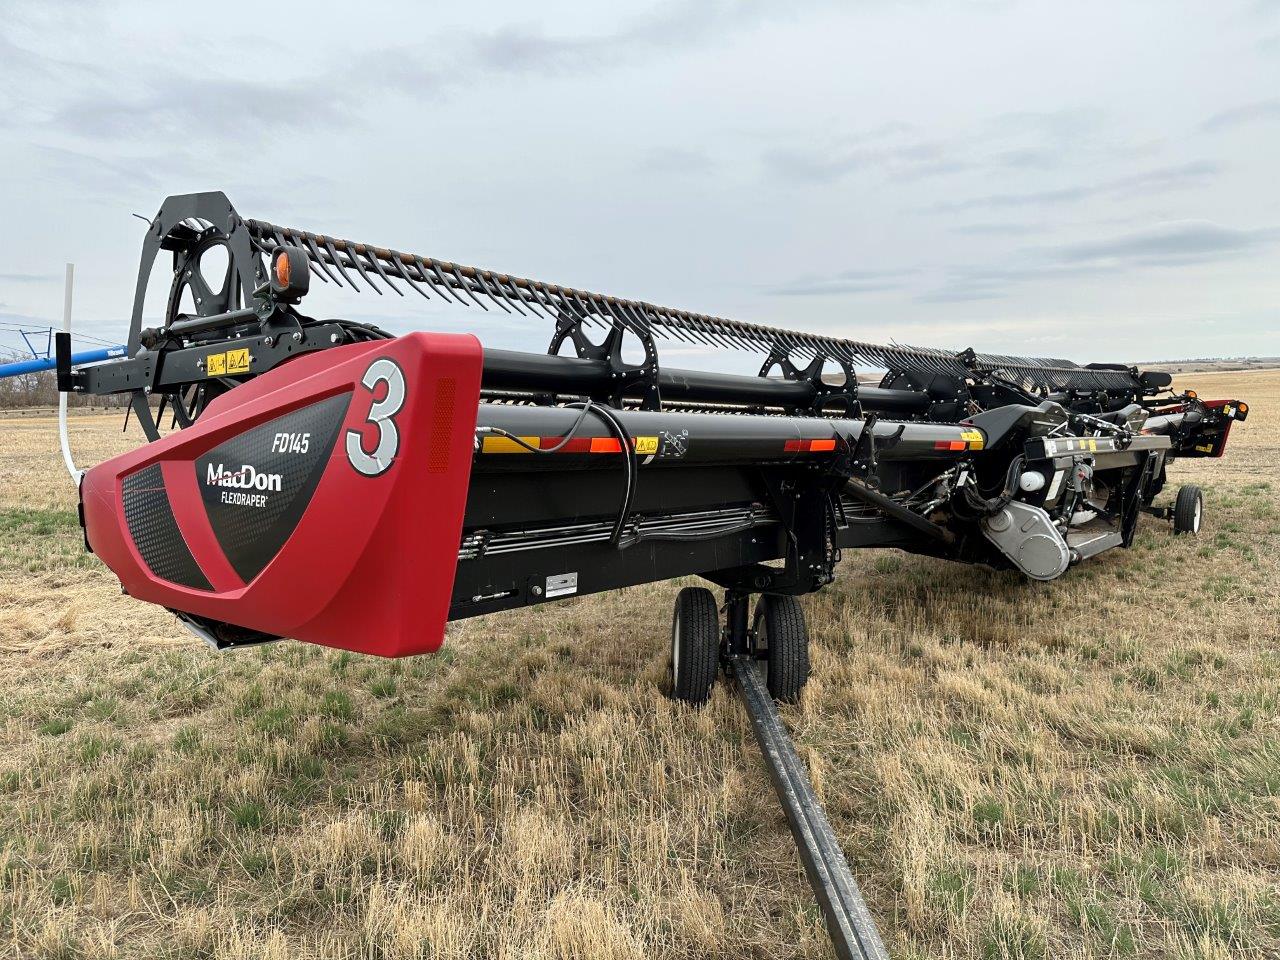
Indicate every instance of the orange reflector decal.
{"type": "Point", "coordinates": [808, 446]}
{"type": "Point", "coordinates": [605, 445]}
{"type": "Point", "coordinates": [950, 445]}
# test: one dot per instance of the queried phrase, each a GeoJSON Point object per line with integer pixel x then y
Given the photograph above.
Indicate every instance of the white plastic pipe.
{"type": "Point", "coordinates": [76, 475]}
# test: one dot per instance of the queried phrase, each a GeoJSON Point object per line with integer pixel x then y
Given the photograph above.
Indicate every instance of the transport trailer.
{"type": "Point", "coordinates": [322, 480]}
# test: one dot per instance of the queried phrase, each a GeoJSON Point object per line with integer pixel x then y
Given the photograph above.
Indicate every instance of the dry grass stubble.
{"type": "Point", "coordinates": [1085, 769]}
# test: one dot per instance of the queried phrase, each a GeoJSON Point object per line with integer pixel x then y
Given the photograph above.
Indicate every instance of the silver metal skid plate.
{"type": "Point", "coordinates": [1027, 536]}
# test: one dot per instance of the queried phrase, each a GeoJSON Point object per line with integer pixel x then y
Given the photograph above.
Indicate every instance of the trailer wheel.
{"type": "Point", "coordinates": [782, 635]}
{"type": "Point", "coordinates": [695, 645]}
{"type": "Point", "coordinates": [1188, 509]}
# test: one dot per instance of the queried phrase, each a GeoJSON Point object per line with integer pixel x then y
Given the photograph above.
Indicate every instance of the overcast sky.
{"type": "Point", "coordinates": [1096, 181]}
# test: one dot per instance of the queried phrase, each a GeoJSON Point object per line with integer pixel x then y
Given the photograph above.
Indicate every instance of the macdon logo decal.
{"type": "Point", "coordinates": [247, 478]}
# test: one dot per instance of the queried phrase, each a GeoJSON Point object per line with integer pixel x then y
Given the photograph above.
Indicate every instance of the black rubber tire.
{"type": "Point", "coordinates": [783, 637]}
{"type": "Point", "coordinates": [695, 646]}
{"type": "Point", "coordinates": [1188, 510]}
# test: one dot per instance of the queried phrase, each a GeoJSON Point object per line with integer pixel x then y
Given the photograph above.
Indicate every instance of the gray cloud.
{"type": "Point", "coordinates": [911, 161]}
{"type": "Point", "coordinates": [675, 161]}
{"type": "Point", "coordinates": [196, 109]}
{"type": "Point", "coordinates": [96, 173]}
{"type": "Point", "coordinates": [1245, 113]}
{"type": "Point", "coordinates": [844, 283]}
{"type": "Point", "coordinates": [968, 283]}
{"type": "Point", "coordinates": [1193, 173]}
{"type": "Point", "coordinates": [200, 104]}
{"type": "Point", "coordinates": [1170, 244]}
{"type": "Point", "coordinates": [997, 229]}
{"type": "Point", "coordinates": [962, 292]}
{"type": "Point", "coordinates": [1176, 244]}
{"type": "Point", "coordinates": [27, 278]}
{"type": "Point", "coordinates": [526, 49]}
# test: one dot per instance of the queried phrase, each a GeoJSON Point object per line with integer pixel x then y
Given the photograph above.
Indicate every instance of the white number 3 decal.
{"type": "Point", "coordinates": [381, 414]}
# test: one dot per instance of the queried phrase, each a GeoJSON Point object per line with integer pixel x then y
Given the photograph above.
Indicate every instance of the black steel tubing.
{"type": "Point", "coordinates": [849, 923]}
{"type": "Point", "coordinates": [185, 324]}
{"type": "Point", "coordinates": [540, 373]}
{"type": "Point", "coordinates": [896, 510]}
{"type": "Point", "coordinates": [703, 438]}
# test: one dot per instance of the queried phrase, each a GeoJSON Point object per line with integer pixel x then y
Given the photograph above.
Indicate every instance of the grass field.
{"type": "Point", "coordinates": [1089, 768]}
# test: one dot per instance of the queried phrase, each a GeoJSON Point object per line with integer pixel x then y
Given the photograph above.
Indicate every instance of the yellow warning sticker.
{"type": "Point", "coordinates": [227, 364]}
{"type": "Point", "coordinates": [646, 445]}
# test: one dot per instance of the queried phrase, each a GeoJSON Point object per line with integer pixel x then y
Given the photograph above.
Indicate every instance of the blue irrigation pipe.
{"type": "Point", "coordinates": [48, 363]}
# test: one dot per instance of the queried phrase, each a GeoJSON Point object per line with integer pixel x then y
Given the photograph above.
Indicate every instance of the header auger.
{"type": "Point", "coordinates": [337, 485]}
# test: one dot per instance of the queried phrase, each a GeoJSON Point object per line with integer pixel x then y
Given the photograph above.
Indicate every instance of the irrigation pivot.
{"type": "Point", "coordinates": [334, 484]}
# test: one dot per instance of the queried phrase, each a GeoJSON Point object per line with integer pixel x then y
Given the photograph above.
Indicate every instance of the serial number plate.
{"type": "Point", "coordinates": [561, 585]}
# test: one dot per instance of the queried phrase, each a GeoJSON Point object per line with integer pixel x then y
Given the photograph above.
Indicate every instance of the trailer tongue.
{"type": "Point", "coordinates": [336, 485]}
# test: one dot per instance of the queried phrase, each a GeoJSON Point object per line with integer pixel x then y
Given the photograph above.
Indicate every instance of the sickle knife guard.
{"type": "Point", "coordinates": [325, 481]}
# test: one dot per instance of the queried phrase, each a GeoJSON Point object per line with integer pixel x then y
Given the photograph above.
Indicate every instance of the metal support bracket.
{"type": "Point", "coordinates": [825, 395]}
{"type": "Point", "coordinates": [862, 459]}
{"type": "Point", "coordinates": [623, 376]}
{"type": "Point", "coordinates": [1143, 476]}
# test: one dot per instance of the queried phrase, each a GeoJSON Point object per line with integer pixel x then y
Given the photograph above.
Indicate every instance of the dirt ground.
{"type": "Point", "coordinates": [1084, 769]}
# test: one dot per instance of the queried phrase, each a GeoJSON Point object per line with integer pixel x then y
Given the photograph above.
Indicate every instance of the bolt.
{"type": "Point", "coordinates": [335, 337]}
{"type": "Point", "coordinates": [297, 337]}
{"type": "Point", "coordinates": [536, 591]}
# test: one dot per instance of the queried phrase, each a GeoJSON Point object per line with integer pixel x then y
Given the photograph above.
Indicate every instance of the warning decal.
{"type": "Point", "coordinates": [228, 364]}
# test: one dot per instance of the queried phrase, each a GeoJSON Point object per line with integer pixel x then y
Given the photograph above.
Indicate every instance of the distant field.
{"type": "Point", "coordinates": [1085, 769]}
{"type": "Point", "coordinates": [1254, 365]}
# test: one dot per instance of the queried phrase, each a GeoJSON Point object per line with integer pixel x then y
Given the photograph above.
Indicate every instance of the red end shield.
{"type": "Point", "coordinates": [321, 501]}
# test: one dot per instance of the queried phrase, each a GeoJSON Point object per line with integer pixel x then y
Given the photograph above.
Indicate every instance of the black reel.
{"type": "Point", "coordinates": [204, 285]}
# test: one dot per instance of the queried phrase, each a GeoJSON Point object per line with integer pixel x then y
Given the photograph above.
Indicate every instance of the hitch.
{"type": "Point", "coordinates": [853, 933]}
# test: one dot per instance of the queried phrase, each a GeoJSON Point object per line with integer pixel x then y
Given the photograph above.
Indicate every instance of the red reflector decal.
{"type": "Point", "coordinates": [808, 446]}
{"type": "Point", "coordinates": [441, 425]}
